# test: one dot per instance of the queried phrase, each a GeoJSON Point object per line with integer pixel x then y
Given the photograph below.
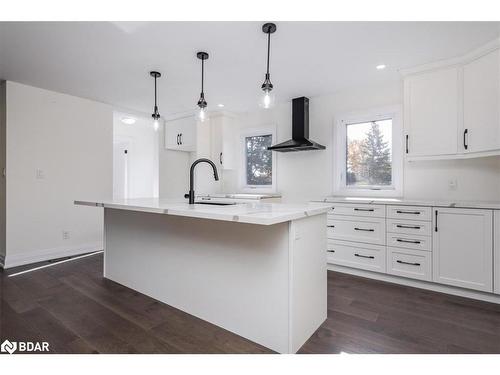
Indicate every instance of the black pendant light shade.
{"type": "Point", "coordinates": [156, 113]}
{"type": "Point", "coordinates": [202, 103]}
{"type": "Point", "coordinates": [267, 86]}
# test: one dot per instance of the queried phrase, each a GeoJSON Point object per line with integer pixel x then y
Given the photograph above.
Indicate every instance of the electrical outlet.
{"type": "Point", "coordinates": [452, 184]}
{"type": "Point", "coordinates": [40, 174]}
{"type": "Point", "coordinates": [65, 235]}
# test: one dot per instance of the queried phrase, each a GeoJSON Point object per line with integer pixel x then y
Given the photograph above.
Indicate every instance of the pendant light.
{"type": "Point", "coordinates": [202, 103]}
{"type": "Point", "coordinates": [156, 114]}
{"type": "Point", "coordinates": [267, 86]}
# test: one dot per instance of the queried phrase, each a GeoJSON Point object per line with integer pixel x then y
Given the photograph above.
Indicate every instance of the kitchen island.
{"type": "Point", "coordinates": [257, 269]}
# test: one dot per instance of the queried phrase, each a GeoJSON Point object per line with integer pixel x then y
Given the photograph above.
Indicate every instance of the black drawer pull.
{"type": "Point", "coordinates": [364, 209]}
{"type": "Point", "coordinates": [365, 230]}
{"type": "Point", "coordinates": [330, 251]}
{"type": "Point", "coordinates": [407, 226]}
{"type": "Point", "coordinates": [330, 226]}
{"type": "Point", "coordinates": [407, 241]}
{"type": "Point", "coordinates": [409, 263]}
{"type": "Point", "coordinates": [364, 256]}
{"type": "Point", "coordinates": [408, 212]}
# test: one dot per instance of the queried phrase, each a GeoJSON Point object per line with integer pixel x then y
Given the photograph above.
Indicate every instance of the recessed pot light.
{"type": "Point", "coordinates": [220, 105]}
{"type": "Point", "coordinates": [380, 67]}
{"type": "Point", "coordinates": [128, 120]}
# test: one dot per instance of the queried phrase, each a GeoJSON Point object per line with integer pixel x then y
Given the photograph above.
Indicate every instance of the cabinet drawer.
{"type": "Point", "coordinates": [357, 229]}
{"type": "Point", "coordinates": [409, 263]}
{"type": "Point", "coordinates": [409, 212]}
{"type": "Point", "coordinates": [409, 241]}
{"type": "Point", "coordinates": [419, 228]}
{"type": "Point", "coordinates": [365, 210]}
{"type": "Point", "coordinates": [363, 256]}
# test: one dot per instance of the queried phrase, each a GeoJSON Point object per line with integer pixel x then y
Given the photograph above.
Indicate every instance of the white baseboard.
{"type": "Point", "coordinates": [24, 258]}
{"type": "Point", "coordinates": [482, 296]}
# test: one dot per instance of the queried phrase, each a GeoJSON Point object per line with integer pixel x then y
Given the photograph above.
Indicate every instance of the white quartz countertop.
{"type": "Point", "coordinates": [252, 213]}
{"type": "Point", "coordinates": [492, 205]}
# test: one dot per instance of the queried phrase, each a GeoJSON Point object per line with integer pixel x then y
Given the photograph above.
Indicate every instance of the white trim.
{"type": "Point", "coordinates": [456, 61]}
{"type": "Point", "coordinates": [248, 132]}
{"type": "Point", "coordinates": [427, 285]}
{"type": "Point", "coordinates": [48, 254]}
{"type": "Point", "coordinates": [394, 112]}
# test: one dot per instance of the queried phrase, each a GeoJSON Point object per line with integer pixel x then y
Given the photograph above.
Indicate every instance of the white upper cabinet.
{"type": "Point", "coordinates": [481, 129]}
{"type": "Point", "coordinates": [180, 134]}
{"type": "Point", "coordinates": [431, 113]}
{"type": "Point", "coordinates": [223, 141]}
{"type": "Point", "coordinates": [452, 108]}
{"type": "Point", "coordinates": [463, 248]}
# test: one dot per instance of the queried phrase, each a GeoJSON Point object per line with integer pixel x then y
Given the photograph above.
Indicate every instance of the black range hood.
{"type": "Point", "coordinates": [300, 130]}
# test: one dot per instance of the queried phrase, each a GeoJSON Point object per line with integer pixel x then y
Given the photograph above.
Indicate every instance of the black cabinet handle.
{"type": "Point", "coordinates": [466, 138]}
{"type": "Point", "coordinates": [180, 137]}
{"type": "Point", "coordinates": [220, 158]}
{"type": "Point", "coordinates": [407, 241]}
{"type": "Point", "coordinates": [406, 143]}
{"type": "Point", "coordinates": [436, 221]}
{"type": "Point", "coordinates": [330, 226]}
{"type": "Point", "coordinates": [330, 251]}
{"type": "Point", "coordinates": [177, 139]}
{"type": "Point", "coordinates": [407, 226]}
{"type": "Point", "coordinates": [365, 230]}
{"type": "Point", "coordinates": [409, 263]}
{"type": "Point", "coordinates": [364, 209]}
{"type": "Point", "coordinates": [408, 212]}
{"type": "Point", "coordinates": [364, 256]}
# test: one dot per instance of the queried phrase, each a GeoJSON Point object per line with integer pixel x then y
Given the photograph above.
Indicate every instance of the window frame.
{"type": "Point", "coordinates": [253, 132]}
{"type": "Point", "coordinates": [340, 154]}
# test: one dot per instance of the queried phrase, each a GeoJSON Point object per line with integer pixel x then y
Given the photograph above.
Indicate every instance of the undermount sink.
{"type": "Point", "coordinates": [216, 203]}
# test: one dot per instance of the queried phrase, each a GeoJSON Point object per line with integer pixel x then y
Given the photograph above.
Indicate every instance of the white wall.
{"type": "Point", "coordinates": [302, 176]}
{"type": "Point", "coordinates": [3, 108]}
{"type": "Point", "coordinates": [174, 170]}
{"type": "Point", "coordinates": [142, 156]}
{"type": "Point", "coordinates": [69, 141]}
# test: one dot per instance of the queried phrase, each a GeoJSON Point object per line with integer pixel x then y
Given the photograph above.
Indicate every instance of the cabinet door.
{"type": "Point", "coordinates": [180, 134]}
{"type": "Point", "coordinates": [463, 248]}
{"type": "Point", "coordinates": [172, 132]}
{"type": "Point", "coordinates": [481, 104]}
{"type": "Point", "coordinates": [496, 256]}
{"type": "Point", "coordinates": [223, 141]}
{"type": "Point", "coordinates": [431, 113]}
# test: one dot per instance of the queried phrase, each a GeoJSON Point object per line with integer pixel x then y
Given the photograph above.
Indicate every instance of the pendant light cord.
{"type": "Point", "coordinates": [202, 73]}
{"type": "Point", "coordinates": [155, 94]}
{"type": "Point", "coordinates": [268, 49]}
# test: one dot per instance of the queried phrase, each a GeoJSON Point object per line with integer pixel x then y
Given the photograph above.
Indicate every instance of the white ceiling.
{"type": "Point", "coordinates": [110, 61]}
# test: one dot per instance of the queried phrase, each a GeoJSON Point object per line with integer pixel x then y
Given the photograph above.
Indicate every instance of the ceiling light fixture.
{"type": "Point", "coordinates": [267, 86]}
{"type": "Point", "coordinates": [202, 103]}
{"type": "Point", "coordinates": [380, 67]}
{"type": "Point", "coordinates": [220, 105]}
{"type": "Point", "coordinates": [128, 120]}
{"type": "Point", "coordinates": [156, 113]}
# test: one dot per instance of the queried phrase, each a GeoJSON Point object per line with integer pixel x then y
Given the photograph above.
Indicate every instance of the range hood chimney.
{"type": "Point", "coordinates": [300, 130]}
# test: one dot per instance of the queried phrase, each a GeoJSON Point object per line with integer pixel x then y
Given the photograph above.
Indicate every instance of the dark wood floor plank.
{"type": "Point", "coordinates": [78, 311]}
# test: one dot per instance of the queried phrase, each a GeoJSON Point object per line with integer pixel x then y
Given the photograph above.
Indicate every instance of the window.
{"type": "Point", "coordinates": [259, 160]}
{"type": "Point", "coordinates": [368, 155]}
{"type": "Point", "coordinates": [258, 170]}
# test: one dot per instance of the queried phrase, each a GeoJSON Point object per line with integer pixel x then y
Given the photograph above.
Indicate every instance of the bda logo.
{"type": "Point", "coordinates": [9, 347]}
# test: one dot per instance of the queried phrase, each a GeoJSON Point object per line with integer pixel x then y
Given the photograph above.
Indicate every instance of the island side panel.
{"type": "Point", "coordinates": [233, 275]}
{"type": "Point", "coordinates": [308, 278]}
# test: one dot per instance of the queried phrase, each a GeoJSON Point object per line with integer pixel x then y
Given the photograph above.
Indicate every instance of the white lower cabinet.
{"type": "Point", "coordinates": [496, 254]}
{"type": "Point", "coordinates": [414, 264]}
{"type": "Point", "coordinates": [463, 248]}
{"type": "Point", "coordinates": [452, 246]}
{"type": "Point", "coordinates": [364, 256]}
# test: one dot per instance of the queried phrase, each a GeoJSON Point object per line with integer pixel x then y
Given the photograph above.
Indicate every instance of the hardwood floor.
{"type": "Point", "coordinates": [76, 310]}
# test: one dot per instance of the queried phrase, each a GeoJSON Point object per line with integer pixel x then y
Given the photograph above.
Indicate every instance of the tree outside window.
{"type": "Point", "coordinates": [259, 160]}
{"type": "Point", "coordinates": [369, 154]}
